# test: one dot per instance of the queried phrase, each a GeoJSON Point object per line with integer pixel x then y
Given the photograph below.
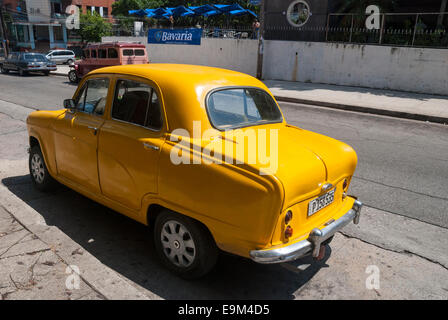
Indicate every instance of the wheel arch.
{"type": "Point", "coordinates": [35, 140]}
{"type": "Point", "coordinates": [154, 209]}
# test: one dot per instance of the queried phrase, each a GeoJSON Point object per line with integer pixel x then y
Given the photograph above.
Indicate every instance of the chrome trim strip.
{"type": "Point", "coordinates": [310, 245]}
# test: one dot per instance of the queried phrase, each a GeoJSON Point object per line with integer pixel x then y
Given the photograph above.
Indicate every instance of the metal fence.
{"type": "Point", "coordinates": [405, 29]}
{"type": "Point", "coordinates": [397, 29]}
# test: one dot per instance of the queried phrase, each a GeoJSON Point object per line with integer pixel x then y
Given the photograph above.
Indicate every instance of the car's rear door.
{"type": "Point", "coordinates": [130, 142]}
{"type": "Point", "coordinates": [76, 134]}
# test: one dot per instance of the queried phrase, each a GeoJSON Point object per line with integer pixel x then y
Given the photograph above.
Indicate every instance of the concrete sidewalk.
{"type": "Point", "coordinates": [407, 105]}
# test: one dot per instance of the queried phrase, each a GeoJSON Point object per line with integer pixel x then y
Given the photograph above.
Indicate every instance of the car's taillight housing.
{"type": "Point", "coordinates": [288, 232]}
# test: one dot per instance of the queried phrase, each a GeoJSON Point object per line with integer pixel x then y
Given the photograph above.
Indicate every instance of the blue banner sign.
{"type": "Point", "coordinates": [175, 36]}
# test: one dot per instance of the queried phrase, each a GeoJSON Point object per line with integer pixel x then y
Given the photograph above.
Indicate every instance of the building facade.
{"type": "Point", "coordinates": [402, 22]}
{"type": "Point", "coordinates": [39, 25]}
{"type": "Point", "coordinates": [102, 7]}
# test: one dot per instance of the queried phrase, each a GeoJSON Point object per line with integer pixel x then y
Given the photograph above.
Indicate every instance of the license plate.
{"type": "Point", "coordinates": [321, 202]}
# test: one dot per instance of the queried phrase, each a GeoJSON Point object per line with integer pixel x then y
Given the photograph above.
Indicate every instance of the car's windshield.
{"type": "Point", "coordinates": [35, 57]}
{"type": "Point", "coordinates": [241, 107]}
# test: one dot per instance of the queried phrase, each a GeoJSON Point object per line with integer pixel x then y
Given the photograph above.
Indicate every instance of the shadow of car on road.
{"type": "Point", "coordinates": [127, 247]}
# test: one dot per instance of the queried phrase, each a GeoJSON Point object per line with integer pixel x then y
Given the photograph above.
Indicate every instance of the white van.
{"type": "Point", "coordinates": [61, 56]}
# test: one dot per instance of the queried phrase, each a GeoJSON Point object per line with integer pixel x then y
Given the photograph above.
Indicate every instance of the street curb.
{"type": "Point", "coordinates": [383, 112]}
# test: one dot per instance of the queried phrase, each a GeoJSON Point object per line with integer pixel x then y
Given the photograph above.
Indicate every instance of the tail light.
{"type": "Point", "coordinates": [288, 232]}
{"type": "Point", "coordinates": [288, 217]}
{"type": "Point", "coordinates": [345, 185]}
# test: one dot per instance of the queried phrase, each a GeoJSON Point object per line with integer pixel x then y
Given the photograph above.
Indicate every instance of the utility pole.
{"type": "Point", "coordinates": [260, 41]}
{"type": "Point", "coordinates": [443, 7]}
{"type": "Point", "coordinates": [4, 34]}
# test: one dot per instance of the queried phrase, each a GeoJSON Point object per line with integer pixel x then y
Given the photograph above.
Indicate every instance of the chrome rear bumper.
{"type": "Point", "coordinates": [310, 245]}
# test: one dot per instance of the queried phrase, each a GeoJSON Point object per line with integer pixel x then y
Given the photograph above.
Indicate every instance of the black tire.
{"type": "Point", "coordinates": [47, 73]}
{"type": "Point", "coordinates": [22, 72]}
{"type": "Point", "coordinates": [202, 258]}
{"type": "Point", "coordinates": [41, 178]}
{"type": "Point", "coordinates": [72, 76]}
{"type": "Point", "coordinates": [3, 70]}
{"type": "Point", "coordinates": [70, 61]}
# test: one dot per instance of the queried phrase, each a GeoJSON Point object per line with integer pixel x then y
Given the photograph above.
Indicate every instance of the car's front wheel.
{"type": "Point", "coordinates": [72, 76]}
{"type": "Point", "coordinates": [184, 245]}
{"type": "Point", "coordinates": [38, 170]}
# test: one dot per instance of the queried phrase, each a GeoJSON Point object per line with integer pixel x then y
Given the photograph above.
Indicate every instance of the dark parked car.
{"type": "Point", "coordinates": [24, 62]}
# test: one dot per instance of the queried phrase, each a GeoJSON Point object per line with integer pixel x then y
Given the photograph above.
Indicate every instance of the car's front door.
{"type": "Point", "coordinates": [76, 134]}
{"type": "Point", "coordinates": [13, 61]}
{"type": "Point", "coordinates": [130, 142]}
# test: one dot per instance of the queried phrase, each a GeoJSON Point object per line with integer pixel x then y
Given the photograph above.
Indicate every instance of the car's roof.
{"type": "Point", "coordinates": [164, 72]}
{"type": "Point", "coordinates": [185, 87]}
{"type": "Point", "coordinates": [33, 53]}
{"type": "Point", "coordinates": [115, 44]}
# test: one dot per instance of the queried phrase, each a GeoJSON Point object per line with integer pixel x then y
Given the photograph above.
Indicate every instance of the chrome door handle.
{"type": "Point", "coordinates": [150, 146]}
{"type": "Point", "coordinates": [94, 129]}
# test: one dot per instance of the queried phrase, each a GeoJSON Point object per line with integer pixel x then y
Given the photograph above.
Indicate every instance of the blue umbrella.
{"type": "Point", "coordinates": [228, 7]}
{"type": "Point", "coordinates": [181, 11]}
{"type": "Point", "coordinates": [203, 9]}
{"type": "Point", "coordinates": [160, 13]}
{"type": "Point", "coordinates": [211, 13]}
{"type": "Point", "coordinates": [242, 12]}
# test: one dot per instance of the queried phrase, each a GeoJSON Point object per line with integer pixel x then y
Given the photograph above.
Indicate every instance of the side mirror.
{"type": "Point", "coordinates": [69, 104]}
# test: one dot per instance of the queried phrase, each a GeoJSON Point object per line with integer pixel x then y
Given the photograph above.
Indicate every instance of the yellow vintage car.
{"type": "Point", "coordinates": [204, 157]}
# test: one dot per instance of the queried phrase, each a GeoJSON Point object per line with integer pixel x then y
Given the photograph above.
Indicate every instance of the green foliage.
{"type": "Point", "coordinates": [93, 27]}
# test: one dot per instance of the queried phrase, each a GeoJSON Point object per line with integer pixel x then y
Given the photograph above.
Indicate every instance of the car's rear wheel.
{"type": "Point", "coordinates": [3, 69]}
{"type": "Point", "coordinates": [184, 245]}
{"type": "Point", "coordinates": [70, 61]}
{"type": "Point", "coordinates": [72, 76]}
{"type": "Point", "coordinates": [38, 170]}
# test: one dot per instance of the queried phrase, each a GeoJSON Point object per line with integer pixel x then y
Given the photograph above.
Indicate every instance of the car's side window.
{"type": "Point", "coordinates": [93, 96]}
{"type": "Point", "coordinates": [112, 53]}
{"type": "Point", "coordinates": [81, 98]}
{"type": "Point", "coordinates": [136, 102]}
{"type": "Point", "coordinates": [102, 53]}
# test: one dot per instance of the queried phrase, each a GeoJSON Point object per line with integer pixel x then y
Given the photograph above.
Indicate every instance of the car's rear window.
{"type": "Point", "coordinates": [241, 107]}
{"type": "Point", "coordinates": [35, 57]}
{"type": "Point", "coordinates": [128, 52]}
{"type": "Point", "coordinates": [139, 52]}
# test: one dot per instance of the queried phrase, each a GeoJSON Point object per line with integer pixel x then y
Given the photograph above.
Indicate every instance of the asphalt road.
{"type": "Point", "coordinates": [402, 165]}
{"type": "Point", "coordinates": [401, 170]}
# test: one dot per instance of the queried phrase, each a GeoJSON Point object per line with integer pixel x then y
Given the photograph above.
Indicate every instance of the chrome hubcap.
{"type": "Point", "coordinates": [178, 244]}
{"type": "Point", "coordinates": [72, 76]}
{"type": "Point", "coordinates": [37, 168]}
